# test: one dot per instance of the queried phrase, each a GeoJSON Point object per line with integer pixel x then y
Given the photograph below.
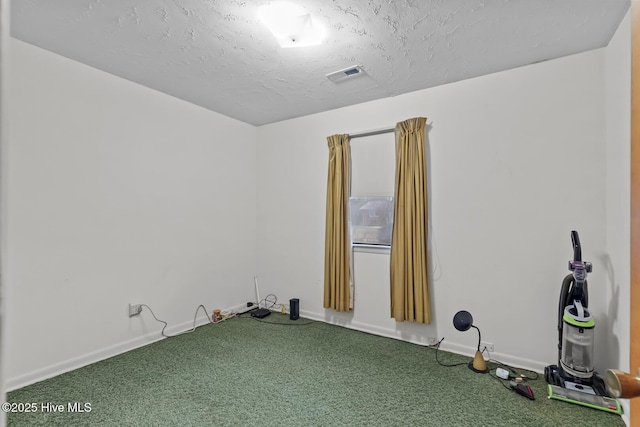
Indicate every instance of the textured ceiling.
{"type": "Point", "coordinates": [215, 53]}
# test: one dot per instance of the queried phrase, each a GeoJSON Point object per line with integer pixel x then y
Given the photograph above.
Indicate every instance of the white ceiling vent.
{"type": "Point", "coordinates": [347, 73]}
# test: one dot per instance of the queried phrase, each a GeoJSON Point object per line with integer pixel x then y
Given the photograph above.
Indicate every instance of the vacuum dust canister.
{"type": "Point", "coordinates": [577, 341]}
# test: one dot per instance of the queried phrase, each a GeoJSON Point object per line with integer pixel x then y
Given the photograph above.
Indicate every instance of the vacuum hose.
{"type": "Point", "coordinates": [565, 293]}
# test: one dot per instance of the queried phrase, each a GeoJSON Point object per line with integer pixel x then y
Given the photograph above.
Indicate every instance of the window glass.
{"type": "Point", "coordinates": [371, 220]}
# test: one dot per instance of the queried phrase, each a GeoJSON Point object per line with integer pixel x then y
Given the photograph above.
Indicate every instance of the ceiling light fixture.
{"type": "Point", "coordinates": [291, 25]}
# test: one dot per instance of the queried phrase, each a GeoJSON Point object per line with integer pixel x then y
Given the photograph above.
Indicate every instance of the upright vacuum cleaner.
{"type": "Point", "coordinates": [574, 378]}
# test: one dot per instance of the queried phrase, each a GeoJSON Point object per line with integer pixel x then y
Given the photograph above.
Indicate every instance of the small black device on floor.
{"type": "Point", "coordinates": [294, 309]}
{"type": "Point", "coordinates": [260, 313]}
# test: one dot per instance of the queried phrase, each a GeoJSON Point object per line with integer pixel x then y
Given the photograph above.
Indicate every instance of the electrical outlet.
{"type": "Point", "coordinates": [134, 309]}
{"type": "Point", "coordinates": [486, 345]}
{"type": "Point", "coordinates": [283, 309]}
{"type": "Point", "coordinates": [245, 308]}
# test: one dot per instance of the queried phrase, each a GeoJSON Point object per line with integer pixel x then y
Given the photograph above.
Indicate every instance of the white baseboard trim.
{"type": "Point", "coordinates": [507, 359]}
{"type": "Point", "coordinates": [76, 363]}
{"type": "Point", "coordinates": [56, 369]}
{"type": "Point", "coordinates": [362, 327]}
{"type": "Point", "coordinates": [514, 361]}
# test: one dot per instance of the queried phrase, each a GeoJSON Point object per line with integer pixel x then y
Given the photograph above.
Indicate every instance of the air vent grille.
{"type": "Point", "coordinates": [346, 73]}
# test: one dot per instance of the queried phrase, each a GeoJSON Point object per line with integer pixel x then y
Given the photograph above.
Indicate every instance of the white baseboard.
{"type": "Point", "coordinates": [519, 362]}
{"type": "Point", "coordinates": [51, 371]}
{"type": "Point", "coordinates": [76, 363]}
{"type": "Point", "coordinates": [362, 327]}
{"type": "Point", "coordinates": [56, 369]}
{"type": "Point", "coordinates": [507, 359]}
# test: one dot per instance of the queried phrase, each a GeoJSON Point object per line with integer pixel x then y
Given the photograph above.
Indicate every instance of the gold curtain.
{"type": "Point", "coordinates": [409, 268]}
{"type": "Point", "coordinates": [337, 250]}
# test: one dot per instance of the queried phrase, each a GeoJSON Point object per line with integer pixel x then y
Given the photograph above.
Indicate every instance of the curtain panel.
{"type": "Point", "coordinates": [409, 262]}
{"type": "Point", "coordinates": [337, 251]}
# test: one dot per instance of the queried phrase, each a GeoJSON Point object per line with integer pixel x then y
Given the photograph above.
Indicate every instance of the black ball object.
{"type": "Point", "coordinates": [463, 320]}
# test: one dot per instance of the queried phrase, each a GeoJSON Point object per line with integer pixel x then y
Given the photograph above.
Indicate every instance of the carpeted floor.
{"type": "Point", "coordinates": [294, 373]}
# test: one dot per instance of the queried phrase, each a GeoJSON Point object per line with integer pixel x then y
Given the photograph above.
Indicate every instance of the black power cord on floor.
{"type": "Point", "coordinates": [501, 380]}
{"type": "Point", "coordinates": [437, 347]}
{"type": "Point", "coordinates": [274, 323]}
{"type": "Point", "coordinates": [272, 299]}
{"type": "Point", "coordinates": [269, 299]}
{"type": "Point", "coordinates": [515, 378]}
{"type": "Point", "coordinates": [523, 376]}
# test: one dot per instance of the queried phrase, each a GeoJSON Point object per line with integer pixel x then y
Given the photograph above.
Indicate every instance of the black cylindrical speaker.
{"type": "Point", "coordinates": [294, 309]}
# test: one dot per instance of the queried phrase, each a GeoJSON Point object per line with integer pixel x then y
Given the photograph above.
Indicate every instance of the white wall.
{"type": "Point", "coordinates": [116, 194]}
{"type": "Point", "coordinates": [618, 221]}
{"type": "Point", "coordinates": [516, 163]}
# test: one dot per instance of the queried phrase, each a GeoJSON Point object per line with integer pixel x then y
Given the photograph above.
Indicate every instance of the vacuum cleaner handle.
{"type": "Point", "coordinates": [577, 250]}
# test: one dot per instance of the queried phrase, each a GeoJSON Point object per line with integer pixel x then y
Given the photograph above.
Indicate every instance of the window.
{"type": "Point", "coordinates": [371, 220]}
{"type": "Point", "coordinates": [372, 186]}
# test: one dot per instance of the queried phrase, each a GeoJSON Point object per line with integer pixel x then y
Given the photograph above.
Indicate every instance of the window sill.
{"type": "Point", "coordinates": [371, 249]}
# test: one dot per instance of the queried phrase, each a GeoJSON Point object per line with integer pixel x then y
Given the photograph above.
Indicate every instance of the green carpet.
{"type": "Point", "coordinates": [246, 372]}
